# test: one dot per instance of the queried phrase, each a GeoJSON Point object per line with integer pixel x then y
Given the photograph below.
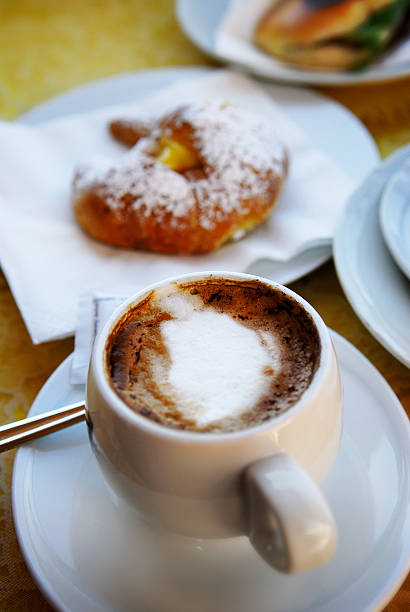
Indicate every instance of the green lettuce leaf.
{"type": "Point", "coordinates": [379, 27]}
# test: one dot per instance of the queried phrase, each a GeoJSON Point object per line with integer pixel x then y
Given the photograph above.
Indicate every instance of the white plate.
{"type": "Point", "coordinates": [200, 21]}
{"type": "Point", "coordinates": [88, 552]}
{"type": "Point", "coordinates": [377, 290]}
{"type": "Point", "coordinates": [351, 147]}
{"type": "Point", "coordinates": [395, 217]}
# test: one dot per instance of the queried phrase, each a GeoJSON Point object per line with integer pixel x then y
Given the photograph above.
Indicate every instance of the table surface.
{"type": "Point", "coordinates": [46, 47]}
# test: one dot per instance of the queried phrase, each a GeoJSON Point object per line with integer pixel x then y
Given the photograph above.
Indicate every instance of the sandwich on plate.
{"type": "Point", "coordinates": [332, 34]}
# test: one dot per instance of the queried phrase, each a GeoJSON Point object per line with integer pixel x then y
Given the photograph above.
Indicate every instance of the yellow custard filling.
{"type": "Point", "coordinates": [176, 155]}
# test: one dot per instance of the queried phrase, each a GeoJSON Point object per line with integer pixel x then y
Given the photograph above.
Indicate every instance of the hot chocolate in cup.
{"type": "Point", "coordinates": [214, 406]}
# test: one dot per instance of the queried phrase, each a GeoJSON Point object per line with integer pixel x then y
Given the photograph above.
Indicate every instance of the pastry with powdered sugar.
{"type": "Point", "coordinates": [193, 179]}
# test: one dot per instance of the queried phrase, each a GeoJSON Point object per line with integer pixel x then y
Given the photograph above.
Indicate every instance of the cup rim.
{"type": "Point", "coordinates": [97, 366]}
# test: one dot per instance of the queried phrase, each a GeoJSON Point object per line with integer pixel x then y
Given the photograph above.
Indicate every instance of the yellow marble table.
{"type": "Point", "coordinates": [47, 47]}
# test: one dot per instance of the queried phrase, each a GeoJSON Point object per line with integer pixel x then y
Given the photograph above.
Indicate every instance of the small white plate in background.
{"type": "Point", "coordinates": [201, 19]}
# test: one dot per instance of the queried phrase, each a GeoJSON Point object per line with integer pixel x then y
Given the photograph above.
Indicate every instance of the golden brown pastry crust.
{"type": "Point", "coordinates": [142, 203]}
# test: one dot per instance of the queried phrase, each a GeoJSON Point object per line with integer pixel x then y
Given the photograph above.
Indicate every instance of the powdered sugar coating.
{"type": "Point", "coordinates": [239, 154]}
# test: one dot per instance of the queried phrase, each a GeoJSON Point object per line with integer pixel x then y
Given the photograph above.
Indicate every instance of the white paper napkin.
{"type": "Point", "coordinates": [50, 262]}
{"type": "Point", "coordinates": [234, 41]}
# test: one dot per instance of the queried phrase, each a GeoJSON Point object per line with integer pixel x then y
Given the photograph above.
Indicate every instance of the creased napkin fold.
{"type": "Point", "coordinates": [49, 262]}
{"type": "Point", "coordinates": [234, 42]}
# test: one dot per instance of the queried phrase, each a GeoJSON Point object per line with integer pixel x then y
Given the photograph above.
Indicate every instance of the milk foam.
{"type": "Point", "coordinates": [218, 366]}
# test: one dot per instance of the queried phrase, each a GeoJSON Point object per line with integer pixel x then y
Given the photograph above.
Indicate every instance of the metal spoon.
{"type": "Point", "coordinates": [16, 433]}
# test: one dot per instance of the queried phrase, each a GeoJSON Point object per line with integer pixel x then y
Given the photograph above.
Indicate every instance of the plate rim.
{"type": "Point", "coordinates": [308, 77]}
{"type": "Point", "coordinates": [191, 70]}
{"type": "Point", "coordinates": [384, 222]}
{"type": "Point", "coordinates": [25, 453]}
{"type": "Point", "coordinates": [343, 270]}
{"type": "Point", "coordinates": [80, 88]}
{"type": "Point", "coordinates": [22, 463]}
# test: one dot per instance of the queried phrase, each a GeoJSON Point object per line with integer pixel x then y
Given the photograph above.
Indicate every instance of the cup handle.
{"type": "Point", "coordinates": [290, 523]}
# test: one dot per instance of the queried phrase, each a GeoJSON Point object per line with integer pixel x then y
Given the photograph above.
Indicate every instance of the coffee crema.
{"type": "Point", "coordinates": [213, 355]}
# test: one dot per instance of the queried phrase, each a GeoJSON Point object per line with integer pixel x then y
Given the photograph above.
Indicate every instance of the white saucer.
{"type": "Point", "coordinates": [395, 217]}
{"type": "Point", "coordinates": [200, 21]}
{"type": "Point", "coordinates": [351, 148]}
{"type": "Point", "coordinates": [377, 290]}
{"type": "Point", "coordinates": [87, 552]}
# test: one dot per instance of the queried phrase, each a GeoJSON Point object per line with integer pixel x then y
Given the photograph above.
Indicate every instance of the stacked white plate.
{"type": "Point", "coordinates": [372, 253]}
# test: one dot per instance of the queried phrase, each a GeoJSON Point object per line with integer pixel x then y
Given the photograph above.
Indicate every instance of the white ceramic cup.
{"type": "Point", "coordinates": [261, 482]}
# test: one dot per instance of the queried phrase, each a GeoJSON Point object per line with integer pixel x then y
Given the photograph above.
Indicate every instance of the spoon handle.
{"type": "Point", "coordinates": [16, 433]}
